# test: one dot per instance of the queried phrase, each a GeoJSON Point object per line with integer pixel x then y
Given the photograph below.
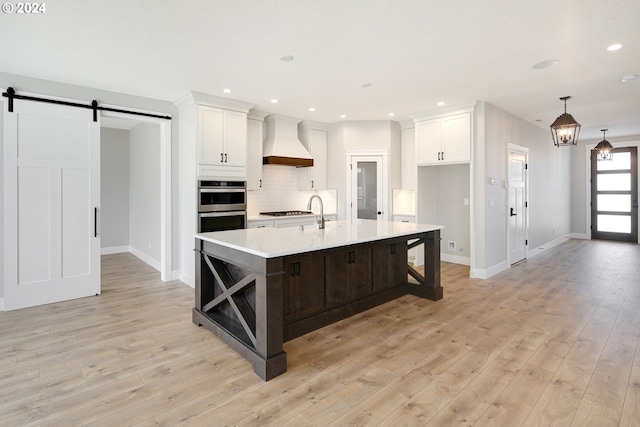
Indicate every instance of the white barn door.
{"type": "Point", "coordinates": [52, 199]}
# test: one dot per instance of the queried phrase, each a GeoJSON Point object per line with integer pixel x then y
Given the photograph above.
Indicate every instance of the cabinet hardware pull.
{"type": "Point", "coordinates": [221, 158]}
{"type": "Point", "coordinates": [297, 268]}
{"type": "Point", "coordinates": [225, 157]}
{"type": "Point", "coordinates": [95, 222]}
{"type": "Point", "coordinates": [511, 212]}
{"type": "Point", "coordinates": [260, 183]}
{"type": "Point", "coordinates": [443, 155]}
{"type": "Point", "coordinates": [293, 269]}
{"type": "Point", "coordinates": [438, 155]}
{"type": "Point", "coordinates": [311, 183]}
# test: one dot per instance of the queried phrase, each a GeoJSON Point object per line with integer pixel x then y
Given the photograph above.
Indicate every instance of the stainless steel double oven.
{"type": "Point", "coordinates": [222, 205]}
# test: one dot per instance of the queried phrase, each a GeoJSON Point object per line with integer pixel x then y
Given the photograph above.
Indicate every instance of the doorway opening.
{"type": "Point", "coordinates": [146, 143]}
{"type": "Point", "coordinates": [614, 196]}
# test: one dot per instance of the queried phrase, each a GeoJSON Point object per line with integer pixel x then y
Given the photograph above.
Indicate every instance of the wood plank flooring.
{"type": "Point", "coordinates": [550, 342]}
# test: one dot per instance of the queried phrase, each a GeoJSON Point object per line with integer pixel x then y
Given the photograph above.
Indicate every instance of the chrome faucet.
{"type": "Point", "coordinates": [320, 220]}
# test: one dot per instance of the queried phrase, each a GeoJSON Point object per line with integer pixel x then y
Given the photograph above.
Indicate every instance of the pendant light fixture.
{"type": "Point", "coordinates": [604, 149]}
{"type": "Point", "coordinates": [565, 129]}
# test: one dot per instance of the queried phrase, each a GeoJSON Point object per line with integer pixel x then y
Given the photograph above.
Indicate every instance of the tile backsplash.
{"type": "Point", "coordinates": [404, 202]}
{"type": "Point", "coordinates": [280, 192]}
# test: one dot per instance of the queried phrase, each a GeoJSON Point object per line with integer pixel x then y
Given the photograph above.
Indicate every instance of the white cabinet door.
{"type": "Point", "coordinates": [222, 142]}
{"type": "Point", "coordinates": [254, 154]}
{"type": "Point", "coordinates": [429, 141]}
{"type": "Point", "coordinates": [294, 222]}
{"type": "Point", "coordinates": [210, 136]}
{"type": "Point", "coordinates": [456, 138]}
{"type": "Point", "coordinates": [235, 138]}
{"type": "Point", "coordinates": [259, 223]}
{"type": "Point", "coordinates": [444, 140]}
{"type": "Point", "coordinates": [51, 202]}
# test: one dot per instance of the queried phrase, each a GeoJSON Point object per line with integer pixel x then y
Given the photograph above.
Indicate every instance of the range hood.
{"type": "Point", "coordinates": [282, 146]}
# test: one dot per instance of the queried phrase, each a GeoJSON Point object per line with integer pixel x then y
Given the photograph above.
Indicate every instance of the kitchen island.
{"type": "Point", "coordinates": [258, 288]}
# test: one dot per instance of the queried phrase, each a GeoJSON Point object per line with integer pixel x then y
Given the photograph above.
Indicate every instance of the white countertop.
{"type": "Point", "coordinates": [274, 242]}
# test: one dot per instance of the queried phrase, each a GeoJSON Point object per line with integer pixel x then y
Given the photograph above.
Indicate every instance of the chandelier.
{"type": "Point", "coordinates": [565, 129]}
{"type": "Point", "coordinates": [604, 149]}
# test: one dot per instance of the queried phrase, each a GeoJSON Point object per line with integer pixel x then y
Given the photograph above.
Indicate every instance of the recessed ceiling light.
{"type": "Point", "coordinates": [440, 104]}
{"type": "Point", "coordinates": [286, 58]}
{"type": "Point", "coordinates": [274, 101]}
{"type": "Point", "coordinates": [226, 90]}
{"type": "Point", "coordinates": [546, 64]}
{"type": "Point", "coordinates": [365, 85]}
{"type": "Point", "coordinates": [342, 116]}
{"type": "Point", "coordinates": [391, 114]}
{"type": "Point", "coordinates": [615, 46]}
{"type": "Point", "coordinates": [628, 77]}
{"type": "Point", "coordinates": [312, 109]}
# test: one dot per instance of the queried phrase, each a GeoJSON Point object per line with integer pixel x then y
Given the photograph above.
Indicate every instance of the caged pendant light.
{"type": "Point", "coordinates": [604, 149]}
{"type": "Point", "coordinates": [565, 129]}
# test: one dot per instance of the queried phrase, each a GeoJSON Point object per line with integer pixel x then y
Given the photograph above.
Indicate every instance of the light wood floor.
{"type": "Point", "coordinates": [552, 341]}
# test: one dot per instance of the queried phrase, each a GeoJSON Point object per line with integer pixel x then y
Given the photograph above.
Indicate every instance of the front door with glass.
{"type": "Point", "coordinates": [614, 196]}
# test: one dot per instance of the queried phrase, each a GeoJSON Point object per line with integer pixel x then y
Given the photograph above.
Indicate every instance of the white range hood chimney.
{"type": "Point", "coordinates": [282, 146]}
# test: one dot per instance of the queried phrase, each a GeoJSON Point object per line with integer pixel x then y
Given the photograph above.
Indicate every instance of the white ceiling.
{"type": "Point", "coordinates": [414, 53]}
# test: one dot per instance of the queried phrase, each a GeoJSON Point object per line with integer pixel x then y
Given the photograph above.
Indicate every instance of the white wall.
{"type": "Point", "coordinates": [144, 192]}
{"type": "Point", "coordinates": [441, 193]}
{"type": "Point", "coordinates": [114, 189]}
{"type": "Point", "coordinates": [549, 186]}
{"type": "Point", "coordinates": [365, 135]}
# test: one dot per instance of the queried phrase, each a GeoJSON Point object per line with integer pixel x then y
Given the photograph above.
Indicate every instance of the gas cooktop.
{"type": "Point", "coordinates": [286, 213]}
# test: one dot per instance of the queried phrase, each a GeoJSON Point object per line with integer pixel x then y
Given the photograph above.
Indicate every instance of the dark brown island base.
{"type": "Point", "coordinates": [258, 288]}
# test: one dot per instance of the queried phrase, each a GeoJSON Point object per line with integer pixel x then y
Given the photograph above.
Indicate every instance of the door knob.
{"type": "Point", "coordinates": [511, 213]}
{"type": "Point", "coordinates": [380, 212]}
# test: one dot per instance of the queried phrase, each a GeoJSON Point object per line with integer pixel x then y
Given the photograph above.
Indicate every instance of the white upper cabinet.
{"type": "Point", "coordinates": [255, 138]}
{"type": "Point", "coordinates": [443, 140]}
{"type": "Point", "coordinates": [222, 141]}
{"type": "Point", "coordinates": [313, 136]}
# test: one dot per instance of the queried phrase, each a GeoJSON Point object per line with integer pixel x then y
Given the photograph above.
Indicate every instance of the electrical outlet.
{"type": "Point", "coordinates": [451, 245]}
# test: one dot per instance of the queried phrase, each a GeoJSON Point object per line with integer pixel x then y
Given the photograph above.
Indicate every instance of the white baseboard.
{"type": "Point", "coordinates": [549, 245]}
{"type": "Point", "coordinates": [582, 236]}
{"type": "Point", "coordinates": [485, 273]}
{"type": "Point", "coordinates": [115, 250]}
{"type": "Point", "coordinates": [146, 258]}
{"type": "Point", "coordinates": [455, 259]}
{"type": "Point", "coordinates": [188, 280]}
{"type": "Point", "coordinates": [1, 304]}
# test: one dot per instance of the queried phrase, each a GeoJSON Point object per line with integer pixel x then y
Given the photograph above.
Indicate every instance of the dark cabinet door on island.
{"type": "Point", "coordinates": [389, 265]}
{"type": "Point", "coordinates": [303, 287]}
{"type": "Point", "coordinates": [348, 276]}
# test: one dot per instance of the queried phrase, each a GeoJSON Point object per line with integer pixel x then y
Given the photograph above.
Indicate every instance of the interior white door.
{"type": "Point", "coordinates": [367, 188]}
{"type": "Point", "coordinates": [517, 207]}
{"type": "Point", "coordinates": [52, 199]}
